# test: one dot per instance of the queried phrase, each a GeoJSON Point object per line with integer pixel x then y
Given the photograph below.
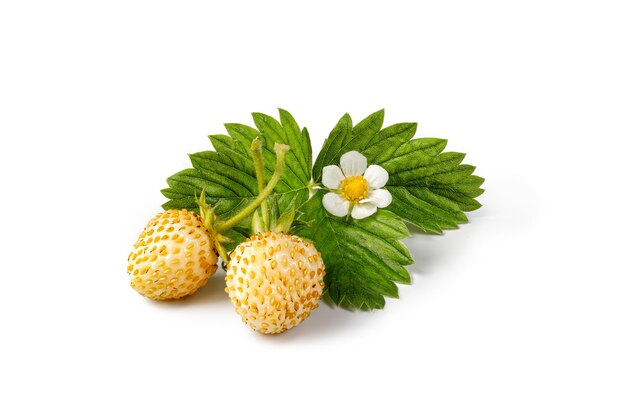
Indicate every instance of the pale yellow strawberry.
{"type": "Point", "coordinates": [173, 257]}
{"type": "Point", "coordinates": [274, 281]}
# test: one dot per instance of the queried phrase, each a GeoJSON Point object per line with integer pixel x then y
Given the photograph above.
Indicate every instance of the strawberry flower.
{"type": "Point", "coordinates": [355, 188]}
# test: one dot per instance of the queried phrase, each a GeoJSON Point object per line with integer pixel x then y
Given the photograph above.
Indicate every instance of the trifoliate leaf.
{"type": "Point", "coordinates": [363, 258]}
{"type": "Point", "coordinates": [228, 172]}
{"type": "Point", "coordinates": [430, 188]}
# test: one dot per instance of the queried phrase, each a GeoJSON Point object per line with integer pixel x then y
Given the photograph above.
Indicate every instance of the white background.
{"type": "Point", "coordinates": [521, 312]}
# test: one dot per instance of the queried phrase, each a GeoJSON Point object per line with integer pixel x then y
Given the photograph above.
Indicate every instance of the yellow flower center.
{"type": "Point", "coordinates": [354, 188]}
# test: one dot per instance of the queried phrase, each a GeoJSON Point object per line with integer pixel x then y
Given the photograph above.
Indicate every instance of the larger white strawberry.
{"type": "Point", "coordinates": [275, 280]}
{"type": "Point", "coordinates": [173, 257]}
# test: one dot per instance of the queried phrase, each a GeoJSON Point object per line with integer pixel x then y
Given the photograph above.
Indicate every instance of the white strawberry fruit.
{"type": "Point", "coordinates": [275, 280]}
{"type": "Point", "coordinates": [173, 257]}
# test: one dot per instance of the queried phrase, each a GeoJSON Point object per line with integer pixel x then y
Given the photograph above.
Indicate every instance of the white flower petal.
{"type": "Point", "coordinates": [380, 198]}
{"type": "Point", "coordinates": [362, 210]}
{"type": "Point", "coordinates": [332, 177]}
{"type": "Point", "coordinates": [353, 163]}
{"type": "Point", "coordinates": [376, 176]}
{"type": "Point", "coordinates": [335, 204]}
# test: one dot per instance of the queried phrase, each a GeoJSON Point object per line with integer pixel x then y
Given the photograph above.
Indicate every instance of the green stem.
{"type": "Point", "coordinates": [280, 150]}
{"type": "Point", "coordinates": [257, 156]}
{"type": "Point", "coordinates": [221, 250]}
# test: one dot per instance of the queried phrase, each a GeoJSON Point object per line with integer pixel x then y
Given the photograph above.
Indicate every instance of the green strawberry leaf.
{"type": "Point", "coordinates": [363, 258]}
{"type": "Point", "coordinates": [228, 171]}
{"type": "Point", "coordinates": [431, 189]}
{"type": "Point", "coordinates": [236, 235]}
